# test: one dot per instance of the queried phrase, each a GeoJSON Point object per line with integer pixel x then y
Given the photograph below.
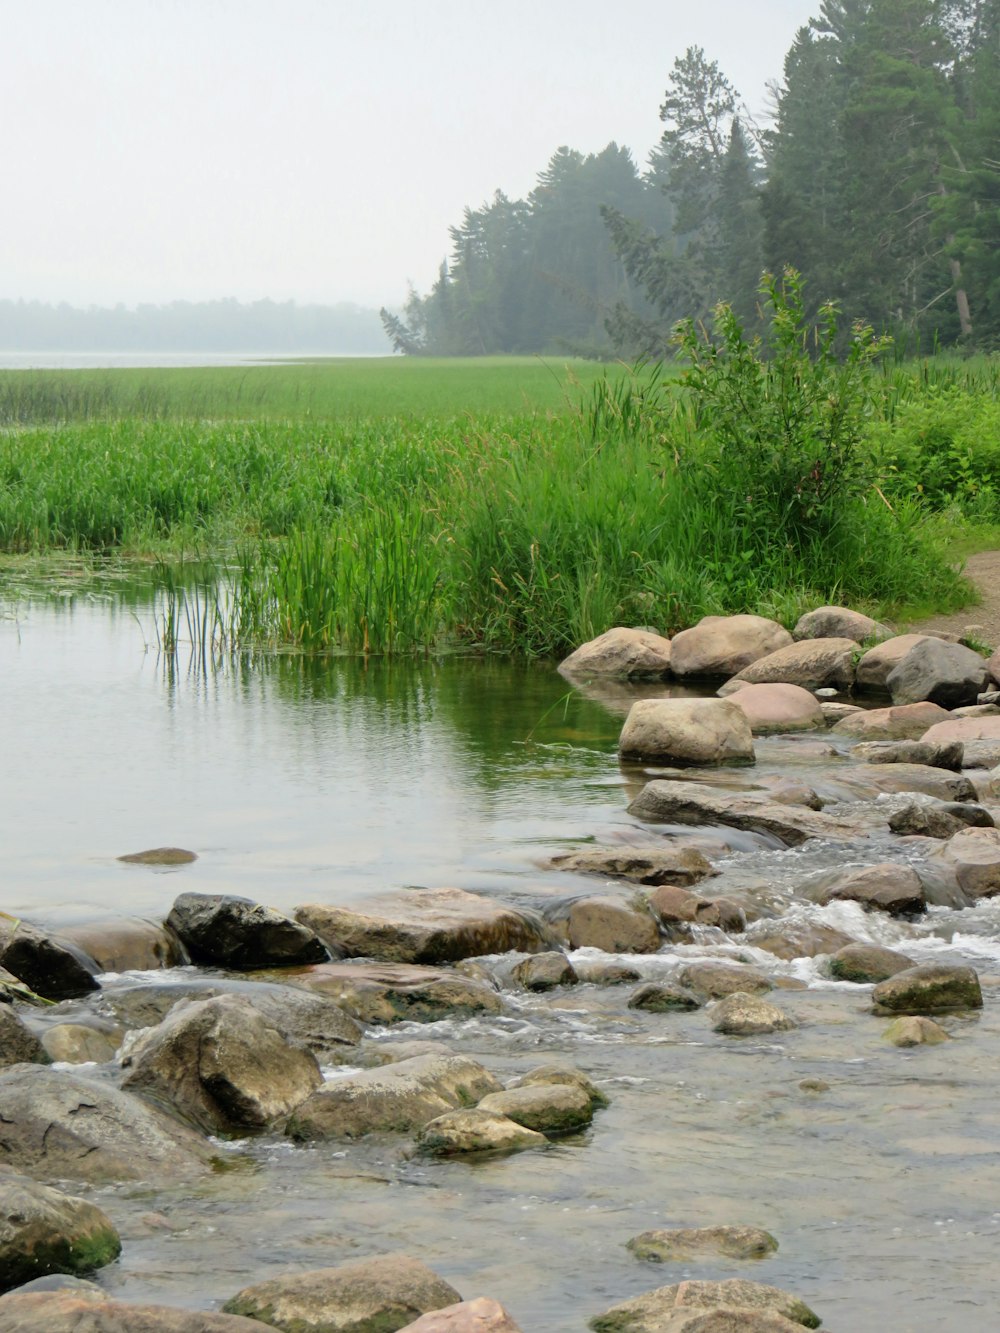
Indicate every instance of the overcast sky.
{"type": "Point", "coordinates": [158, 150]}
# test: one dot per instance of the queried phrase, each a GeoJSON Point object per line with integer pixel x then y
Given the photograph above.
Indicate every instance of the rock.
{"type": "Point", "coordinates": [240, 934]}
{"type": "Point", "coordinates": [778, 708]}
{"type": "Point", "coordinates": [160, 856]}
{"type": "Point", "coordinates": [394, 1099]}
{"type": "Point", "coordinates": [426, 926]}
{"type": "Point", "coordinates": [670, 864]}
{"type": "Point", "coordinates": [798, 939]}
{"type": "Point", "coordinates": [671, 802]}
{"type": "Point", "coordinates": [867, 963]}
{"type": "Point", "coordinates": [545, 971]}
{"type": "Point", "coordinates": [914, 1030]}
{"type": "Point", "coordinates": [376, 1053]}
{"type": "Point", "coordinates": [44, 1231]}
{"type": "Point", "coordinates": [902, 723]}
{"type": "Point", "coordinates": [686, 731]}
{"type": "Point", "coordinates": [373, 1295]}
{"type": "Point", "coordinates": [886, 887]}
{"type": "Point", "coordinates": [626, 653]}
{"type": "Point", "coordinates": [836, 712]}
{"type": "Point", "coordinates": [924, 820]}
{"type": "Point", "coordinates": [813, 663]}
{"type": "Point", "coordinates": [612, 926]}
{"type": "Point", "coordinates": [43, 963]}
{"type": "Point", "coordinates": [981, 754]}
{"type": "Point", "coordinates": [61, 1126]}
{"type": "Point", "coordinates": [17, 1043]}
{"type": "Point", "coordinates": [222, 1065]}
{"type": "Point", "coordinates": [664, 997]}
{"type": "Point", "coordinates": [934, 782]}
{"type": "Point", "coordinates": [599, 973]}
{"type": "Point", "coordinates": [84, 1312]}
{"type": "Point", "coordinates": [928, 989]}
{"type": "Point", "coordinates": [874, 667]}
{"type": "Point", "coordinates": [551, 1109]}
{"type": "Point", "coordinates": [683, 1243]}
{"type": "Point", "coordinates": [478, 1316]}
{"type": "Point", "coordinates": [727, 1319]}
{"type": "Point", "coordinates": [476, 1130]}
{"type": "Point", "coordinates": [964, 730]}
{"type": "Point", "coordinates": [839, 622]}
{"type": "Point", "coordinates": [741, 1015]}
{"type": "Point", "coordinates": [950, 755]}
{"type": "Point", "coordinates": [123, 944]}
{"type": "Point", "coordinates": [77, 1043]}
{"type": "Point", "coordinates": [650, 1312]}
{"type": "Point", "coordinates": [993, 666]}
{"type": "Point", "coordinates": [399, 992]}
{"type": "Point", "coordinates": [972, 856]}
{"type": "Point", "coordinates": [558, 1076]}
{"type": "Point", "coordinates": [813, 1085]}
{"type": "Point", "coordinates": [723, 645]}
{"type": "Point", "coordinates": [674, 906]}
{"type": "Point", "coordinates": [716, 980]}
{"type": "Point", "coordinates": [940, 673]}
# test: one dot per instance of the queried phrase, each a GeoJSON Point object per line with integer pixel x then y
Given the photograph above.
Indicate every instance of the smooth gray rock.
{"type": "Point", "coordinates": [942, 673]}
{"type": "Point", "coordinates": [839, 622]}
{"type": "Point", "coordinates": [669, 802]}
{"type": "Point", "coordinates": [240, 934]}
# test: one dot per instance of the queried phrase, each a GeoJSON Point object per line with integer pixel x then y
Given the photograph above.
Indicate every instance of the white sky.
{"type": "Point", "coordinates": [158, 150]}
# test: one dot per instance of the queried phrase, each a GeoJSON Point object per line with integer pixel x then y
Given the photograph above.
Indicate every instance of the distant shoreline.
{"type": "Point", "coordinates": [155, 359]}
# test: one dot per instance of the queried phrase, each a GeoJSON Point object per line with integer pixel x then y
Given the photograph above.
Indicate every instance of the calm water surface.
{"type": "Point", "coordinates": [331, 781]}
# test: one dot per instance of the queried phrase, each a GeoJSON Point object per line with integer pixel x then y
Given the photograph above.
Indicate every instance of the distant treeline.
{"type": "Point", "coordinates": [189, 326]}
{"type": "Point", "coordinates": [878, 178]}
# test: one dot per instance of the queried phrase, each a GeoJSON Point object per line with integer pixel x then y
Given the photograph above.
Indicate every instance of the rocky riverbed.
{"type": "Point", "coordinates": [733, 1048]}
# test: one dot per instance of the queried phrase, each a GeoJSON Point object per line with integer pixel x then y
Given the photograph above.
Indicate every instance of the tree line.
{"type": "Point", "coordinates": [877, 178]}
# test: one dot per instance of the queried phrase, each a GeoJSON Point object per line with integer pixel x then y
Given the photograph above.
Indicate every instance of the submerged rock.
{"type": "Point", "coordinates": [647, 865]}
{"type": "Point", "coordinates": [223, 1066]}
{"type": "Point", "coordinates": [741, 1015]}
{"type": "Point", "coordinates": [650, 1312]}
{"type": "Point", "coordinates": [45, 1231]}
{"type": "Point", "coordinates": [670, 802]}
{"type": "Point", "coordinates": [686, 731]}
{"type": "Point", "coordinates": [90, 1311]}
{"type": "Point", "coordinates": [683, 1243]}
{"type": "Point", "coordinates": [914, 1030]}
{"type": "Point", "coordinates": [399, 992]}
{"type": "Point", "coordinates": [625, 653]}
{"type": "Point", "coordinates": [716, 980]}
{"type": "Point", "coordinates": [798, 939]}
{"type": "Point", "coordinates": [723, 645]}
{"type": "Point", "coordinates": [367, 1296]}
{"type": "Point", "coordinates": [867, 963]}
{"type": "Point", "coordinates": [64, 1127]}
{"type": "Point", "coordinates": [394, 1099]}
{"type": "Point", "coordinates": [160, 856]}
{"type": "Point", "coordinates": [426, 926]}
{"type": "Point", "coordinates": [240, 934]}
{"type": "Point", "coordinates": [475, 1131]}
{"type": "Point", "coordinates": [839, 622]}
{"type": "Point", "coordinates": [928, 989]}
{"type": "Point", "coordinates": [545, 971]}
{"type": "Point", "coordinates": [664, 997]}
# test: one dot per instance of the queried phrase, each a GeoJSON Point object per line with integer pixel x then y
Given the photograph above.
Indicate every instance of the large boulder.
{"type": "Point", "coordinates": [627, 653]}
{"type": "Point", "coordinates": [876, 664]}
{"type": "Point", "coordinates": [929, 989]}
{"type": "Point", "coordinates": [547, 1108]}
{"type": "Point", "coordinates": [650, 1312]}
{"type": "Point", "coordinates": [914, 1030]}
{"type": "Point", "coordinates": [839, 622]}
{"type": "Point", "coordinates": [668, 863]}
{"type": "Point", "coordinates": [89, 1311]}
{"type": "Point", "coordinates": [240, 934]}
{"type": "Point", "coordinates": [63, 1127]}
{"type": "Point", "coordinates": [813, 663]}
{"type": "Point", "coordinates": [374, 1295]}
{"type": "Point", "coordinates": [425, 926]}
{"type": "Point", "coordinates": [17, 1043]}
{"type": "Point", "coordinates": [886, 887]}
{"type": "Point", "coordinates": [399, 992]}
{"type": "Point", "coordinates": [779, 708]}
{"type": "Point", "coordinates": [44, 963]}
{"type": "Point", "coordinates": [686, 731]}
{"type": "Point", "coordinates": [965, 730]}
{"type": "Point", "coordinates": [479, 1316]}
{"type": "Point", "coordinates": [223, 1066]}
{"type": "Point", "coordinates": [670, 802]}
{"type": "Point", "coordinates": [907, 722]}
{"type": "Point", "coordinates": [393, 1099]}
{"type": "Point", "coordinates": [972, 858]}
{"type": "Point", "coordinates": [44, 1231]}
{"type": "Point", "coordinates": [611, 925]}
{"type": "Point", "coordinates": [939, 673]}
{"type": "Point", "coordinates": [476, 1130]}
{"type": "Point", "coordinates": [723, 645]}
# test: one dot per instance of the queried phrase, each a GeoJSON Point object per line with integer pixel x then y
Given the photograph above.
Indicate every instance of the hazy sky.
{"type": "Point", "coordinates": [156, 150]}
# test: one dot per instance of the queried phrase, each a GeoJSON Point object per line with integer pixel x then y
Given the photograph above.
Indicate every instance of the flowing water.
{"type": "Point", "coordinates": [321, 781]}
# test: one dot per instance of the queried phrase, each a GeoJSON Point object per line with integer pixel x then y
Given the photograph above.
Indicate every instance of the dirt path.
{"type": "Point", "coordinates": [984, 571]}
